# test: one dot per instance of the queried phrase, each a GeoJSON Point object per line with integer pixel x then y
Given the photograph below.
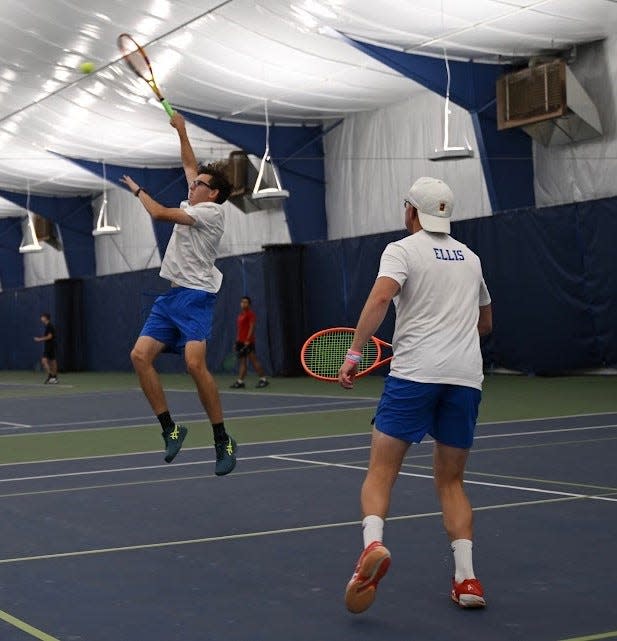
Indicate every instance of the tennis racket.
{"type": "Point", "coordinates": [324, 352]}
{"type": "Point", "coordinates": [136, 58]}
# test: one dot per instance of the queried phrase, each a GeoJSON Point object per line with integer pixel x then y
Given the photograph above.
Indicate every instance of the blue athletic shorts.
{"type": "Point", "coordinates": [409, 410]}
{"type": "Point", "coordinates": [180, 315]}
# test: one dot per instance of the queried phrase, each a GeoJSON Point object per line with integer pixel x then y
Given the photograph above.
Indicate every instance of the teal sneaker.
{"type": "Point", "coordinates": [173, 442]}
{"type": "Point", "coordinates": [225, 456]}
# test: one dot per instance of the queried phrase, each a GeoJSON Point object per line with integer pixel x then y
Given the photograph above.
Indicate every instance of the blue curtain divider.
{"type": "Point", "coordinates": [11, 262]}
{"type": "Point", "coordinates": [552, 274]}
{"type": "Point", "coordinates": [73, 216]}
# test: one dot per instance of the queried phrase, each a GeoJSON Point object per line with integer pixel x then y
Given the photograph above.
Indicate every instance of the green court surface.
{"type": "Point", "coordinates": [505, 398]}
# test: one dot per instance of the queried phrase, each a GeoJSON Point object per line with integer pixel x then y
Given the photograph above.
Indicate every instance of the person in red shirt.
{"type": "Point", "coordinates": [245, 345]}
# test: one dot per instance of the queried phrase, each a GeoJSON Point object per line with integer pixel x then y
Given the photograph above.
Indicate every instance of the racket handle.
{"type": "Point", "coordinates": [168, 108]}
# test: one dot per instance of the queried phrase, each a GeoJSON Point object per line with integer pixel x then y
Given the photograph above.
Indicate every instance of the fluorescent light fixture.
{"type": "Point", "coordinates": [304, 17]}
{"type": "Point", "coordinates": [448, 152]}
{"type": "Point", "coordinates": [317, 9]}
{"type": "Point", "coordinates": [161, 8]}
{"type": "Point", "coordinates": [103, 228]}
{"type": "Point", "coordinates": [268, 193]}
{"type": "Point", "coordinates": [147, 26]}
{"type": "Point", "coordinates": [30, 243]}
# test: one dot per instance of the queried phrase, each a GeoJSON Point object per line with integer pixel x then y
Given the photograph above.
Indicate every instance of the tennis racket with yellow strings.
{"type": "Point", "coordinates": [137, 59]}
{"type": "Point", "coordinates": [323, 353]}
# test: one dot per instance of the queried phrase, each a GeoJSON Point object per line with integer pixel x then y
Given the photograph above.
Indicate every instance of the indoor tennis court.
{"type": "Point", "coordinates": [99, 544]}
{"type": "Point", "coordinates": [211, 208]}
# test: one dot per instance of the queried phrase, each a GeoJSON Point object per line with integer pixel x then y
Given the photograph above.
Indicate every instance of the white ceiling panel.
{"type": "Point", "coordinates": [225, 58]}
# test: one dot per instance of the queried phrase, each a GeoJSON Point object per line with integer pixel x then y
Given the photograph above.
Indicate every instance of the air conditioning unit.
{"type": "Point", "coordinates": [548, 103]}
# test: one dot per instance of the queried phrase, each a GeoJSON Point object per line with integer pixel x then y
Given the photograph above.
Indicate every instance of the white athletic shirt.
{"type": "Point", "coordinates": [436, 337]}
{"type": "Point", "coordinates": [191, 252]}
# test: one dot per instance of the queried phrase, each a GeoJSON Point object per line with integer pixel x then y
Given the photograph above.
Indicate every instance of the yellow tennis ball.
{"type": "Point", "coordinates": [87, 67]}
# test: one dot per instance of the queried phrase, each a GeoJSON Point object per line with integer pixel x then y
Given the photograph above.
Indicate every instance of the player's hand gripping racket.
{"type": "Point", "coordinates": [136, 58]}
{"type": "Point", "coordinates": [324, 352]}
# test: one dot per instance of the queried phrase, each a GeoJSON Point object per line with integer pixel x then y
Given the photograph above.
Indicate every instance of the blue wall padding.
{"type": "Point", "coordinates": [552, 274]}
{"type": "Point", "coordinates": [20, 311]}
{"type": "Point", "coordinates": [11, 262]}
{"type": "Point", "coordinates": [74, 218]}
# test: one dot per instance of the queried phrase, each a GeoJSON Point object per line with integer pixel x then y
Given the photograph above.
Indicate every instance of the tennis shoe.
{"type": "Point", "coordinates": [263, 382]}
{"type": "Point", "coordinates": [52, 380]}
{"type": "Point", "coordinates": [173, 441]}
{"type": "Point", "coordinates": [225, 456]}
{"type": "Point", "coordinates": [238, 385]}
{"type": "Point", "coordinates": [468, 593]}
{"type": "Point", "coordinates": [371, 568]}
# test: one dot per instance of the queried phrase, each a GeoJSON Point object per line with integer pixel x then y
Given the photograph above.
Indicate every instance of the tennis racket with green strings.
{"type": "Point", "coordinates": [324, 352]}
{"type": "Point", "coordinates": [137, 59]}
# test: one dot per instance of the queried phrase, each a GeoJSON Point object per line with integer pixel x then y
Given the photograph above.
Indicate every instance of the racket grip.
{"type": "Point", "coordinates": [168, 108]}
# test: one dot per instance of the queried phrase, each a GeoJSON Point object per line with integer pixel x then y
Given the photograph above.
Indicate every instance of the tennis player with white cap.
{"type": "Point", "coordinates": [435, 381]}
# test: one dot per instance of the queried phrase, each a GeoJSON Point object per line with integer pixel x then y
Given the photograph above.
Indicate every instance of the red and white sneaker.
{"type": "Point", "coordinates": [468, 593]}
{"type": "Point", "coordinates": [371, 568]}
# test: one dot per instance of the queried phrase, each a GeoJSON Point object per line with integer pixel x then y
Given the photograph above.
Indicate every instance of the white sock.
{"type": "Point", "coordinates": [372, 529]}
{"type": "Point", "coordinates": [463, 564]}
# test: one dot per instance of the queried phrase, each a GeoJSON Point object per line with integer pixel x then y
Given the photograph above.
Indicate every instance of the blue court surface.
{"type": "Point", "coordinates": [129, 548]}
{"type": "Point", "coordinates": [129, 408]}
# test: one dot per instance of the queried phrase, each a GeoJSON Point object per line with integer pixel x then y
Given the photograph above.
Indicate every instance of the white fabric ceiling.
{"type": "Point", "coordinates": [226, 58]}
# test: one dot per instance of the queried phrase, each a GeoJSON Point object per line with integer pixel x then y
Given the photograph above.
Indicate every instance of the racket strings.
{"type": "Point", "coordinates": [325, 353]}
{"type": "Point", "coordinates": [135, 58]}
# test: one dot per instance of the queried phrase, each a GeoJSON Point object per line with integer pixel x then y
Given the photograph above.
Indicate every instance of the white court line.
{"type": "Point", "coordinates": [231, 414]}
{"type": "Point", "coordinates": [11, 424]}
{"type": "Point", "coordinates": [504, 486]}
{"type": "Point", "coordinates": [273, 392]}
{"type": "Point", "coordinates": [260, 533]}
{"type": "Point", "coordinates": [290, 457]}
{"type": "Point", "coordinates": [290, 440]}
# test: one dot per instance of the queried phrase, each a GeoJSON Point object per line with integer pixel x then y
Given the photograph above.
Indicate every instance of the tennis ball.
{"type": "Point", "coordinates": [87, 67]}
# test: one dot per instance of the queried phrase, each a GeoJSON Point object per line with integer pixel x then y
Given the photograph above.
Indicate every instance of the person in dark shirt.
{"type": "Point", "coordinates": [48, 360]}
{"type": "Point", "coordinates": [245, 345]}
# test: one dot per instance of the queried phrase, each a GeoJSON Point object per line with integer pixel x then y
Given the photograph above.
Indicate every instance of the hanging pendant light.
{"type": "Point", "coordinates": [267, 193]}
{"type": "Point", "coordinates": [103, 228]}
{"type": "Point", "coordinates": [29, 242]}
{"type": "Point", "coordinates": [449, 152]}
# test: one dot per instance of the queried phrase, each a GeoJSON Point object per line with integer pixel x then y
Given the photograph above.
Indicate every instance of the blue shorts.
{"type": "Point", "coordinates": [180, 315]}
{"type": "Point", "coordinates": [409, 410]}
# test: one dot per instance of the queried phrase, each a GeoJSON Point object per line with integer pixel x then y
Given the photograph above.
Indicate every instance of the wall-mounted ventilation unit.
{"type": "Point", "coordinates": [548, 102]}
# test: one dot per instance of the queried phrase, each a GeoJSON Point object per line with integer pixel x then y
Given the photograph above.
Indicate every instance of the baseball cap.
{"type": "Point", "coordinates": [434, 201]}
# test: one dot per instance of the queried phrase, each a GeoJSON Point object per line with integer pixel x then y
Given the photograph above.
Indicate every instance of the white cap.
{"type": "Point", "coordinates": [434, 201]}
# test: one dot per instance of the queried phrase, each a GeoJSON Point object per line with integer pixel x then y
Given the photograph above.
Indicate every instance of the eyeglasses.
{"type": "Point", "coordinates": [198, 182]}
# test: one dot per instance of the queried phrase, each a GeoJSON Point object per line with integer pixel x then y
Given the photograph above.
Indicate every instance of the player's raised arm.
{"type": "Point", "coordinates": [187, 155]}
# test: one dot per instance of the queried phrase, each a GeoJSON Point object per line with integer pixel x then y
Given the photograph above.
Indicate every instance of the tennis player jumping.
{"type": "Point", "coordinates": [181, 319]}
{"type": "Point", "coordinates": [442, 308]}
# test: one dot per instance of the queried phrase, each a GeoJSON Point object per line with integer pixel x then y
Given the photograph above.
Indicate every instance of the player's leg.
{"type": "Point", "coordinates": [257, 366]}
{"type": "Point", "coordinates": [386, 457]}
{"type": "Point", "coordinates": [240, 350]}
{"type": "Point", "coordinates": [404, 414]}
{"type": "Point", "coordinates": [225, 445]}
{"type": "Point", "coordinates": [45, 364]}
{"type": "Point", "coordinates": [457, 415]}
{"type": "Point", "coordinates": [53, 367]}
{"type": "Point", "coordinates": [143, 355]}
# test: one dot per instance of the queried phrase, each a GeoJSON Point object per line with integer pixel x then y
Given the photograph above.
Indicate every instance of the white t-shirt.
{"type": "Point", "coordinates": [436, 337]}
{"type": "Point", "coordinates": [191, 252]}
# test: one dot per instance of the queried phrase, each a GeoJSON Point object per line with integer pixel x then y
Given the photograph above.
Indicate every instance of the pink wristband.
{"type": "Point", "coordinates": [353, 356]}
